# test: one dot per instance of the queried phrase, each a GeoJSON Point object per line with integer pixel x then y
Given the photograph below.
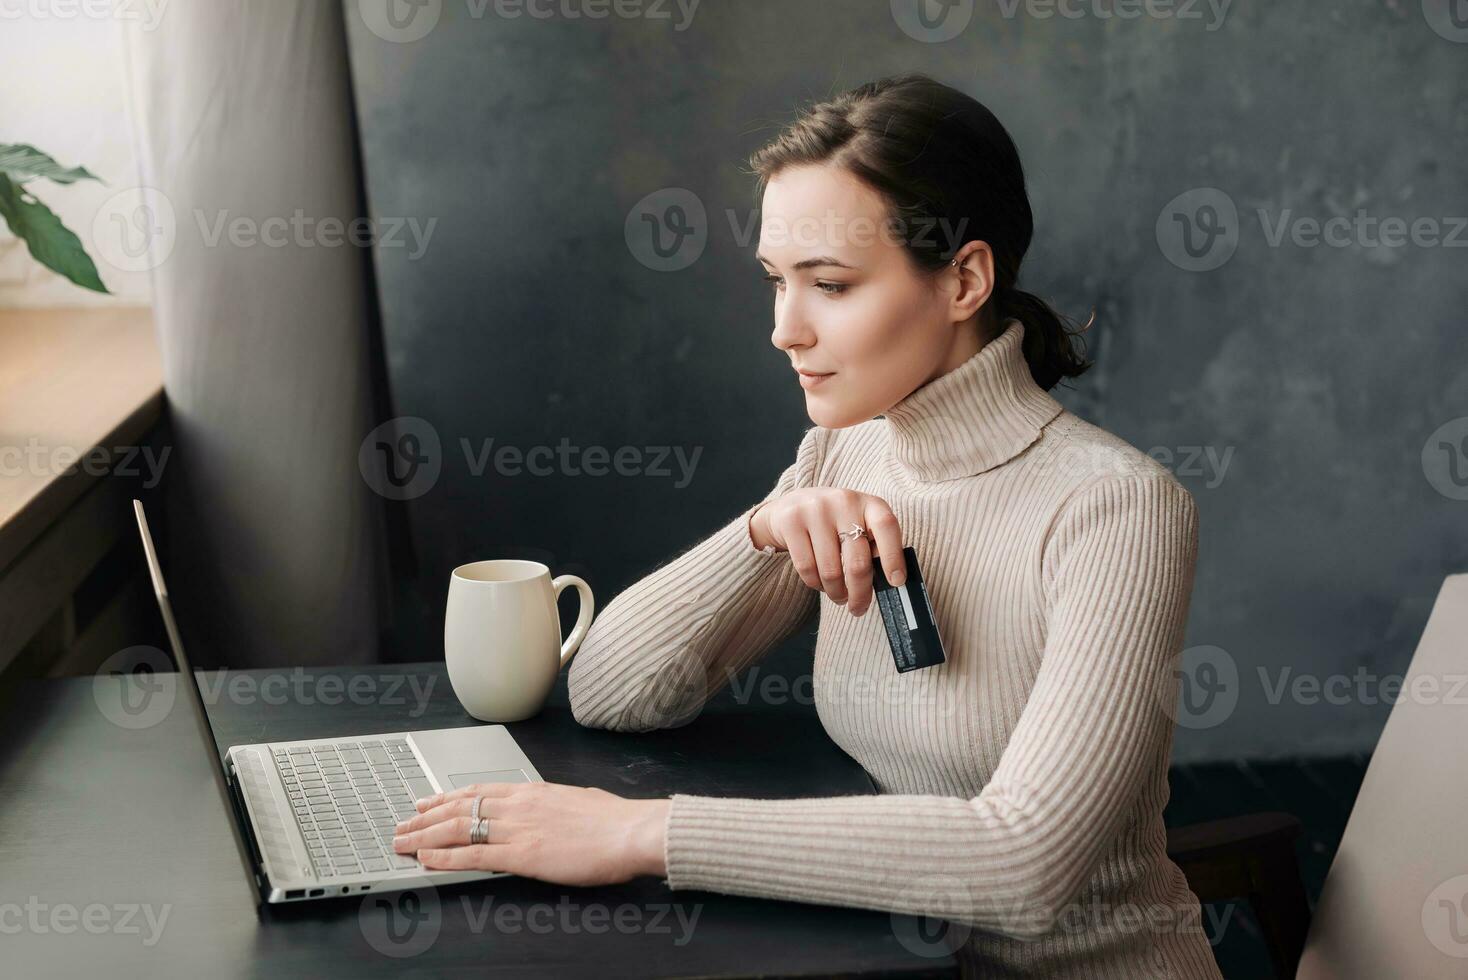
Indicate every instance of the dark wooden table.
{"type": "Point", "coordinates": [118, 860]}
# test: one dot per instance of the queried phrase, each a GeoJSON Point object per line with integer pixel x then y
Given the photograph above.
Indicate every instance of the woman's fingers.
{"type": "Point", "coordinates": [803, 558]}
{"type": "Point", "coordinates": [473, 857]}
{"type": "Point", "coordinates": [828, 557]}
{"type": "Point", "coordinates": [856, 556]}
{"type": "Point", "coordinates": [809, 528]}
{"type": "Point", "coordinates": [453, 832]}
{"type": "Point", "coordinates": [459, 806]}
{"type": "Point", "coordinates": [468, 793]}
{"type": "Point", "coordinates": [881, 525]}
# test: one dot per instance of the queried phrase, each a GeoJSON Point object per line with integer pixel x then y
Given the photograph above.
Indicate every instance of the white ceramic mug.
{"type": "Point", "coordinates": [502, 636]}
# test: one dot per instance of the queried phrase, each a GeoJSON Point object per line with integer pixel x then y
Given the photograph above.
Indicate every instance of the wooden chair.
{"type": "Point", "coordinates": [1395, 903]}
{"type": "Point", "coordinates": [1250, 857]}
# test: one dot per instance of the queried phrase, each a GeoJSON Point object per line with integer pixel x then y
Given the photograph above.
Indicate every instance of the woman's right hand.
{"type": "Point", "coordinates": [806, 522]}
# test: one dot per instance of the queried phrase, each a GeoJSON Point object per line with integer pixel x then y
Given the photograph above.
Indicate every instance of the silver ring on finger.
{"type": "Point", "coordinates": [474, 810]}
{"type": "Point", "coordinates": [479, 833]}
{"type": "Point", "coordinates": [852, 533]}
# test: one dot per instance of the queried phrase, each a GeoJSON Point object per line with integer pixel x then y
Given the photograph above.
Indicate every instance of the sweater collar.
{"type": "Point", "coordinates": [980, 414]}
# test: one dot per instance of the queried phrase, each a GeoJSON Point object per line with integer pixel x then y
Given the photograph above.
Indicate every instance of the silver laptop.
{"type": "Point", "coordinates": [314, 819]}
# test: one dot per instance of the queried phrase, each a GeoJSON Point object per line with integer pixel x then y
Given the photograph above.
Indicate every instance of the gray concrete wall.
{"type": "Point", "coordinates": [1298, 387]}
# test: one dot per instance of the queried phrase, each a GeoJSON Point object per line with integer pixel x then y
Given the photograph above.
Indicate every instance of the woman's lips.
{"type": "Point", "coordinates": [809, 381]}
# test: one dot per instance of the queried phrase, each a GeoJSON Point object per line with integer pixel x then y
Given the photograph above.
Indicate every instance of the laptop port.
{"type": "Point", "coordinates": [295, 893]}
{"type": "Point", "coordinates": [317, 892]}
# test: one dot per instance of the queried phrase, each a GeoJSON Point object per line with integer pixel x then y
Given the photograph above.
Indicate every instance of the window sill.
{"type": "Point", "coordinates": [78, 388]}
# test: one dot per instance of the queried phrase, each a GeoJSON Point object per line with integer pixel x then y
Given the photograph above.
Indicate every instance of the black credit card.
{"type": "Point", "coordinates": [912, 629]}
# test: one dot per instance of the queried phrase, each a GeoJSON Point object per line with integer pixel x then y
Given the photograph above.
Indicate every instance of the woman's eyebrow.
{"type": "Point", "coordinates": [819, 260]}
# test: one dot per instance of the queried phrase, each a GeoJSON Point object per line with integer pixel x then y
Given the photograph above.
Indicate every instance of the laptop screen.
{"type": "Point", "coordinates": [195, 698]}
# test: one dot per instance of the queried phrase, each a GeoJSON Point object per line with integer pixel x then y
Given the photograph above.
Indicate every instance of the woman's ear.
{"type": "Point", "coordinates": [973, 270]}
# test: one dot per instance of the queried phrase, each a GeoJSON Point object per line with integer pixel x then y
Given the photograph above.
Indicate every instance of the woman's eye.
{"type": "Point", "coordinates": [829, 288]}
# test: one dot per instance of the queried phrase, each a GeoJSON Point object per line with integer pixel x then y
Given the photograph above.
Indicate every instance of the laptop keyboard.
{"type": "Point", "coordinates": [348, 796]}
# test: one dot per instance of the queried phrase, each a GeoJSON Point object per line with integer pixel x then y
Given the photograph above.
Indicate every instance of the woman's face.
{"type": "Point", "coordinates": [850, 307]}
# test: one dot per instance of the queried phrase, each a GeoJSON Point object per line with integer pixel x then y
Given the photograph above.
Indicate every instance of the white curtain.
{"type": "Point", "coordinates": [243, 121]}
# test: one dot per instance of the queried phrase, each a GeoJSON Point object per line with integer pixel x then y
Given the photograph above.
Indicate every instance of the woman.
{"type": "Point", "coordinates": [1023, 780]}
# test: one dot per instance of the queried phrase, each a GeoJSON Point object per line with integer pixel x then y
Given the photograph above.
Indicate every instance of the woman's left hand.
{"type": "Point", "coordinates": [569, 835]}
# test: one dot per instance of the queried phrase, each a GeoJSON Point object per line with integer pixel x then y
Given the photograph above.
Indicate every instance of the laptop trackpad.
{"type": "Point", "coordinates": [462, 779]}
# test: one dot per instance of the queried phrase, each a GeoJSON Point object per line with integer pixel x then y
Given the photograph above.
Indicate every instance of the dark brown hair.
{"type": "Point", "coordinates": [942, 162]}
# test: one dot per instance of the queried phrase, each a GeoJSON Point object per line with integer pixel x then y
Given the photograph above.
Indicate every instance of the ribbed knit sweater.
{"type": "Point", "coordinates": [1021, 783]}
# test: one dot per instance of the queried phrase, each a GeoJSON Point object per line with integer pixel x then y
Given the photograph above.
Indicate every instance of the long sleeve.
{"type": "Point", "coordinates": [1117, 576]}
{"type": "Point", "coordinates": [669, 642]}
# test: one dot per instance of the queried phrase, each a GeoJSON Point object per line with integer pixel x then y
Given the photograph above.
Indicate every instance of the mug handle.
{"type": "Point", "coordinates": [583, 621]}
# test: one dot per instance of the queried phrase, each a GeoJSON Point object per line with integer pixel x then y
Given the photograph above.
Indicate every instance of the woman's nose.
{"type": "Point", "coordinates": [792, 329]}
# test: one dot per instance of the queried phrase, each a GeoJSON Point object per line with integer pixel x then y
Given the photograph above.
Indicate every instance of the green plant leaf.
{"type": "Point", "coordinates": [22, 162]}
{"type": "Point", "coordinates": [50, 242]}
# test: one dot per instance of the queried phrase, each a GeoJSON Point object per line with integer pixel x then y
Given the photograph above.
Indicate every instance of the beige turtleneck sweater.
{"type": "Point", "coordinates": [1021, 782]}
